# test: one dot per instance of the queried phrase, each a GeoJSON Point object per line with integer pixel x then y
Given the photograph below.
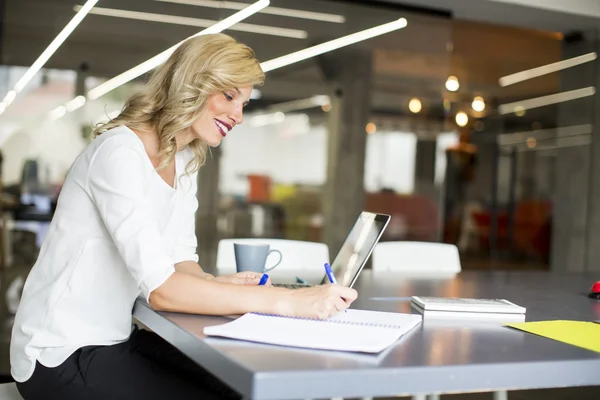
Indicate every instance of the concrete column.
{"type": "Point", "coordinates": [593, 217]}
{"type": "Point", "coordinates": [81, 90]}
{"type": "Point", "coordinates": [208, 207]}
{"type": "Point", "coordinates": [575, 214]}
{"type": "Point", "coordinates": [344, 194]}
{"type": "Point", "coordinates": [425, 164]}
{"type": "Point", "coordinates": [526, 175]}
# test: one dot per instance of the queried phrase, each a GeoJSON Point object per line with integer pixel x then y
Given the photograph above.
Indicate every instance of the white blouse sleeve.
{"type": "Point", "coordinates": [117, 181]}
{"type": "Point", "coordinates": [185, 247]}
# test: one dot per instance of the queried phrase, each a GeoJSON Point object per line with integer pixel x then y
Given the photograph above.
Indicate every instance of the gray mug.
{"type": "Point", "coordinates": [253, 257]}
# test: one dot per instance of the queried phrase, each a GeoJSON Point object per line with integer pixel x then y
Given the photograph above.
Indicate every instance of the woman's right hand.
{"type": "Point", "coordinates": [321, 301]}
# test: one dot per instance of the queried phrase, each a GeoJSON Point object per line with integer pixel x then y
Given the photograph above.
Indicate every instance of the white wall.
{"type": "Point", "coordinates": [444, 140]}
{"type": "Point", "coordinates": [292, 152]}
{"type": "Point", "coordinates": [390, 161]}
{"type": "Point", "coordinates": [55, 144]}
{"type": "Point", "coordinates": [289, 152]}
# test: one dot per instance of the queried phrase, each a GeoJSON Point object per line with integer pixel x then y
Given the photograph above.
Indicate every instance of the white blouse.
{"type": "Point", "coordinates": [118, 230]}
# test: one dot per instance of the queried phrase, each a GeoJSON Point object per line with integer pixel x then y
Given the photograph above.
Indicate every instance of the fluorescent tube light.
{"type": "Point", "coordinates": [153, 62]}
{"type": "Point", "coordinates": [74, 104]}
{"type": "Point", "coordinates": [62, 36]}
{"type": "Point", "coordinates": [57, 113]}
{"type": "Point", "coordinates": [545, 69]}
{"type": "Point", "coordinates": [332, 45]}
{"type": "Point", "coordinates": [284, 12]}
{"type": "Point", "coordinates": [546, 100]}
{"type": "Point", "coordinates": [267, 119]}
{"type": "Point", "coordinates": [198, 22]}
{"type": "Point", "coordinates": [301, 104]}
{"type": "Point", "coordinates": [10, 96]}
{"type": "Point", "coordinates": [46, 54]}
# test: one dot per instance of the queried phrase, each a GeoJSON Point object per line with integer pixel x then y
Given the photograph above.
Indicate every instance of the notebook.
{"type": "Point", "coordinates": [466, 305]}
{"type": "Point", "coordinates": [354, 330]}
{"type": "Point", "coordinates": [468, 315]}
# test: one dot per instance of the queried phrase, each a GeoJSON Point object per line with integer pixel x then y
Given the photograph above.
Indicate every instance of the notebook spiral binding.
{"type": "Point", "coordinates": [391, 326]}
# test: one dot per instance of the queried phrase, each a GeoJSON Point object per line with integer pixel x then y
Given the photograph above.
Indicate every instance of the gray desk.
{"type": "Point", "coordinates": [437, 357]}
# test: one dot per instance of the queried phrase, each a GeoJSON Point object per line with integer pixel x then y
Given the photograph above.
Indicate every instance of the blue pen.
{"type": "Point", "coordinates": [330, 276]}
{"type": "Point", "coordinates": [329, 273]}
{"type": "Point", "coordinates": [263, 279]}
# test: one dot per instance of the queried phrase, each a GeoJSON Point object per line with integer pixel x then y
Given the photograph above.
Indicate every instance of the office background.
{"type": "Point", "coordinates": [368, 126]}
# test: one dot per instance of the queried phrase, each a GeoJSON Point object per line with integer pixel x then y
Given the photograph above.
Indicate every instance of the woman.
{"type": "Point", "coordinates": [124, 227]}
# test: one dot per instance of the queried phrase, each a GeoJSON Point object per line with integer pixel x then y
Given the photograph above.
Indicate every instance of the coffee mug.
{"type": "Point", "coordinates": [253, 257]}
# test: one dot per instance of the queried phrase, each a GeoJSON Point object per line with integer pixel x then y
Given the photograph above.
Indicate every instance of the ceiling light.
{"type": "Point", "coordinates": [49, 51]}
{"type": "Point", "coordinates": [74, 104]}
{"type": "Point", "coordinates": [547, 100]}
{"type": "Point", "coordinates": [371, 128]}
{"type": "Point", "coordinates": [478, 104]}
{"type": "Point", "coordinates": [414, 105]}
{"type": "Point", "coordinates": [285, 12]}
{"type": "Point", "coordinates": [302, 104]}
{"type": "Point", "coordinates": [55, 44]}
{"type": "Point", "coordinates": [519, 111]}
{"type": "Point", "coordinates": [267, 119]}
{"type": "Point", "coordinates": [198, 22]}
{"type": "Point", "coordinates": [158, 59]}
{"type": "Point", "coordinates": [452, 83]}
{"type": "Point", "coordinates": [10, 96]}
{"type": "Point", "coordinates": [545, 69]}
{"type": "Point", "coordinates": [270, 65]}
{"type": "Point", "coordinates": [57, 113]}
{"type": "Point", "coordinates": [332, 45]}
{"type": "Point", "coordinates": [461, 119]}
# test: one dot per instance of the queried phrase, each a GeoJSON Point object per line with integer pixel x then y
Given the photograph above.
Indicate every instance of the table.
{"type": "Point", "coordinates": [436, 357]}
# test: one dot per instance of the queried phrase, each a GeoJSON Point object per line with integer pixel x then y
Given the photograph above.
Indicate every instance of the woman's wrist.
{"type": "Point", "coordinates": [207, 276]}
{"type": "Point", "coordinates": [277, 301]}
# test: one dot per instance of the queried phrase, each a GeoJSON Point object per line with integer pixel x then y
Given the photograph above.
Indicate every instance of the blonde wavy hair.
{"type": "Point", "coordinates": [177, 91]}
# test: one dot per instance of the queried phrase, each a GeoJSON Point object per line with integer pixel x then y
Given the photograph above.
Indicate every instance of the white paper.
{"type": "Point", "coordinates": [355, 330]}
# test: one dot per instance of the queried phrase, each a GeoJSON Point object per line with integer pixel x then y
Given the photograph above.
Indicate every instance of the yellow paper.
{"type": "Point", "coordinates": [576, 333]}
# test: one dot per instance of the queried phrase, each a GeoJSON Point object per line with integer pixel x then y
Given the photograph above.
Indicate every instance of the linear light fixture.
{"type": "Point", "coordinates": [546, 69]}
{"type": "Point", "coordinates": [332, 45]}
{"type": "Point", "coordinates": [270, 65]}
{"type": "Point", "coordinates": [57, 113]}
{"type": "Point", "coordinates": [158, 59]}
{"type": "Point", "coordinates": [284, 12]}
{"type": "Point", "coordinates": [267, 119]}
{"type": "Point", "coordinates": [46, 54]}
{"type": "Point", "coordinates": [545, 134]}
{"type": "Point", "coordinates": [74, 104]}
{"type": "Point", "coordinates": [302, 104]}
{"type": "Point", "coordinates": [546, 100]}
{"type": "Point", "coordinates": [198, 22]}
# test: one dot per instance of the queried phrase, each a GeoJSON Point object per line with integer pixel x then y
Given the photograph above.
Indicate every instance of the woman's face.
{"type": "Point", "coordinates": [223, 111]}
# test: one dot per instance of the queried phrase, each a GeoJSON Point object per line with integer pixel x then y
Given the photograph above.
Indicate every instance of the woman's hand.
{"type": "Point", "coordinates": [320, 301]}
{"type": "Point", "coordinates": [242, 278]}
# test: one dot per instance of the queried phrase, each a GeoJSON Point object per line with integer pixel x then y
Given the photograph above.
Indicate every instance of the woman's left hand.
{"type": "Point", "coordinates": [242, 278]}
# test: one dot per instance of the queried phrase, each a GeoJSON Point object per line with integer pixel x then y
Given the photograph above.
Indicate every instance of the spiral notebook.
{"type": "Point", "coordinates": [354, 330]}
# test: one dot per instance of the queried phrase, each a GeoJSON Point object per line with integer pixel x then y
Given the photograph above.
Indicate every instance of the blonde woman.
{"type": "Point", "coordinates": [124, 227]}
